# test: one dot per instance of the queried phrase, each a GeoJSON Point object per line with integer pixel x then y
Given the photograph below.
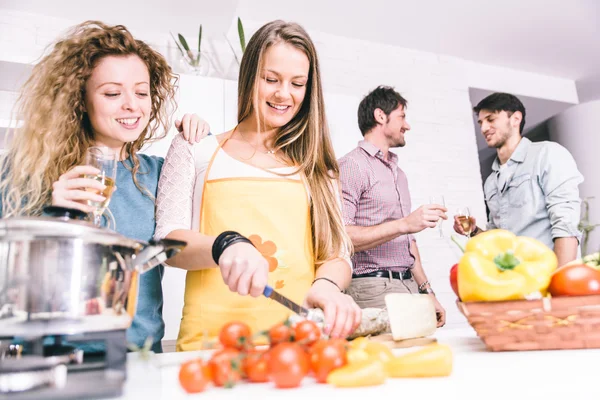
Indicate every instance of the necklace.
{"type": "Point", "coordinates": [268, 151]}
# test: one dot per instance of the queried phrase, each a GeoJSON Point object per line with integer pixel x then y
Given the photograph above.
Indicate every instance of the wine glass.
{"type": "Point", "coordinates": [466, 220]}
{"type": "Point", "coordinates": [439, 200]}
{"type": "Point", "coordinates": [105, 160]}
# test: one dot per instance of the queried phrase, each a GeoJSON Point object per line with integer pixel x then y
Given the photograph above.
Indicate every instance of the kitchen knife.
{"type": "Point", "coordinates": [281, 299]}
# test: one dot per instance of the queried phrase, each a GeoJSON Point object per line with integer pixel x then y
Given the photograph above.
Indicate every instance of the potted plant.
{"type": "Point", "coordinates": [193, 60]}
{"type": "Point", "coordinates": [242, 37]}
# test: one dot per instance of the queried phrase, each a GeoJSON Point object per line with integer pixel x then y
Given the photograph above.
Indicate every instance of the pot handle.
{"type": "Point", "coordinates": [156, 253]}
{"type": "Point", "coordinates": [63, 213]}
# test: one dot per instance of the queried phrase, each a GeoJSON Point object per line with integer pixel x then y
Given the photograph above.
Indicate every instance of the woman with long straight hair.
{"type": "Point", "coordinates": [259, 205]}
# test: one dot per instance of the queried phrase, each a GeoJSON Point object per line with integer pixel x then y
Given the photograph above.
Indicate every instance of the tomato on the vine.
{"type": "Point", "coordinates": [280, 333]}
{"type": "Point", "coordinates": [326, 356]}
{"type": "Point", "coordinates": [254, 365]}
{"type": "Point", "coordinates": [287, 365]}
{"type": "Point", "coordinates": [235, 335]}
{"type": "Point", "coordinates": [225, 367]}
{"type": "Point", "coordinates": [194, 376]}
{"type": "Point", "coordinates": [307, 332]}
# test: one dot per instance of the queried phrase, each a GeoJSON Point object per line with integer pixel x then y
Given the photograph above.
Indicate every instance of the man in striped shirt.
{"type": "Point", "coordinates": [376, 207]}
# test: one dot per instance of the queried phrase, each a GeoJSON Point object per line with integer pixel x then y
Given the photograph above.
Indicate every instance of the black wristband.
{"type": "Point", "coordinates": [328, 280]}
{"type": "Point", "coordinates": [224, 240]}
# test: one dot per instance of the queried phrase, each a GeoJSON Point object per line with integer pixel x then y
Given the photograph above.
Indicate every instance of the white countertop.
{"type": "Point", "coordinates": [477, 374]}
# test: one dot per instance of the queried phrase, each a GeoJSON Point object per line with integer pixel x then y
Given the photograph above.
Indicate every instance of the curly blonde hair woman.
{"type": "Point", "coordinates": [259, 204]}
{"type": "Point", "coordinates": [98, 85]}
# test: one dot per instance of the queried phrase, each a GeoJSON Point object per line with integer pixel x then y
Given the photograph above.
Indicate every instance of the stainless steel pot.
{"type": "Point", "coordinates": [61, 275]}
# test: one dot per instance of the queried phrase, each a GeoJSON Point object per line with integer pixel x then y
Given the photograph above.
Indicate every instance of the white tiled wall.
{"type": "Point", "coordinates": [440, 157]}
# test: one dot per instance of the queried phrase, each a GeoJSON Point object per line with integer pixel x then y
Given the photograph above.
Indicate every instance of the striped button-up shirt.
{"type": "Point", "coordinates": [375, 191]}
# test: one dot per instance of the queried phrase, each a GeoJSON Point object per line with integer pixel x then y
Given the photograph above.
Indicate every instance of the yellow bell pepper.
{"type": "Point", "coordinates": [497, 266]}
{"type": "Point", "coordinates": [362, 348]}
{"type": "Point", "coordinates": [434, 360]}
{"type": "Point", "coordinates": [371, 372]}
{"type": "Point", "coordinates": [354, 356]}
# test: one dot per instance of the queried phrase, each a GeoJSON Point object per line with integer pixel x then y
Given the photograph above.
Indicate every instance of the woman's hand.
{"type": "Point", "coordinates": [193, 128]}
{"type": "Point", "coordinates": [244, 269]}
{"type": "Point", "coordinates": [70, 189]}
{"type": "Point", "coordinates": [342, 314]}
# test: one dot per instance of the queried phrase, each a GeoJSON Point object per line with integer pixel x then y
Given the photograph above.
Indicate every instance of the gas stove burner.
{"type": "Point", "coordinates": [67, 354]}
{"type": "Point", "coordinates": [30, 372]}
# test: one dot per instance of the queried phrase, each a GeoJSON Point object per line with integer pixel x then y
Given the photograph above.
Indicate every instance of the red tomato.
{"type": "Point", "coordinates": [575, 280]}
{"type": "Point", "coordinates": [454, 279]}
{"type": "Point", "coordinates": [280, 333]}
{"type": "Point", "coordinates": [225, 367]}
{"type": "Point", "coordinates": [306, 332]}
{"type": "Point", "coordinates": [325, 356]}
{"type": "Point", "coordinates": [255, 365]}
{"type": "Point", "coordinates": [194, 376]}
{"type": "Point", "coordinates": [287, 365]}
{"type": "Point", "coordinates": [236, 335]}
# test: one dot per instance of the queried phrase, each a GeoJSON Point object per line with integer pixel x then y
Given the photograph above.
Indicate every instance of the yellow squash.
{"type": "Point", "coordinates": [371, 372]}
{"type": "Point", "coordinates": [431, 361]}
{"type": "Point", "coordinates": [497, 266]}
{"type": "Point", "coordinates": [362, 348]}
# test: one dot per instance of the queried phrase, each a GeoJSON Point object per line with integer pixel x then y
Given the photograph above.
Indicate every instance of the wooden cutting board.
{"type": "Point", "coordinates": [387, 339]}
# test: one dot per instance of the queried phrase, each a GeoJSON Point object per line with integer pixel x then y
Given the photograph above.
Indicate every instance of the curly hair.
{"type": "Point", "coordinates": [56, 131]}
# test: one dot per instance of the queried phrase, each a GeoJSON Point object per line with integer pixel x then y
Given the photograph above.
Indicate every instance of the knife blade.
{"type": "Point", "coordinates": [281, 299]}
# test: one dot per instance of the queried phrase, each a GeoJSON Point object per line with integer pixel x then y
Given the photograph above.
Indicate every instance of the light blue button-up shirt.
{"type": "Point", "coordinates": [540, 194]}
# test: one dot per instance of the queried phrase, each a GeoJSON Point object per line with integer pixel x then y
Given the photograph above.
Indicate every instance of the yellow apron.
{"type": "Point", "coordinates": [272, 212]}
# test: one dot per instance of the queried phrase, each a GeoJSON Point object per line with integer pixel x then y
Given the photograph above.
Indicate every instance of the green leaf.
{"type": "Point", "coordinates": [232, 50]}
{"type": "Point", "coordinates": [177, 43]}
{"type": "Point", "coordinates": [199, 42]}
{"type": "Point", "coordinates": [183, 42]}
{"type": "Point", "coordinates": [241, 35]}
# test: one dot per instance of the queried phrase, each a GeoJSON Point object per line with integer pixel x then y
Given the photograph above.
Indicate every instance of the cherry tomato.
{"type": "Point", "coordinates": [575, 280]}
{"type": "Point", "coordinates": [255, 365]}
{"type": "Point", "coordinates": [194, 376]}
{"type": "Point", "coordinates": [306, 332]}
{"type": "Point", "coordinates": [225, 367]}
{"type": "Point", "coordinates": [325, 356]}
{"type": "Point", "coordinates": [280, 333]}
{"type": "Point", "coordinates": [287, 365]}
{"type": "Point", "coordinates": [236, 335]}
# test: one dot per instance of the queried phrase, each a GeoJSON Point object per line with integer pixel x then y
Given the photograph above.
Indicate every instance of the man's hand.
{"type": "Point", "coordinates": [440, 312]}
{"type": "Point", "coordinates": [425, 216]}
{"type": "Point", "coordinates": [460, 230]}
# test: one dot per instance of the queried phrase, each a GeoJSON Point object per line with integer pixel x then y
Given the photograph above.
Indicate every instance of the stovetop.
{"type": "Point", "coordinates": [86, 366]}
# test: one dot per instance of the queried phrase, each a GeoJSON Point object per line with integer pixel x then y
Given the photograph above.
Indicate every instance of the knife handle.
{"type": "Point", "coordinates": [268, 290]}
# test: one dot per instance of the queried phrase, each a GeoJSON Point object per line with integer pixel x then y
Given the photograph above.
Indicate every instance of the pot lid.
{"type": "Point", "coordinates": [62, 226]}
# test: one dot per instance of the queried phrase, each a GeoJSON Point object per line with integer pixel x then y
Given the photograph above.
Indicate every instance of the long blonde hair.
{"type": "Point", "coordinates": [56, 130]}
{"type": "Point", "coordinates": [305, 140]}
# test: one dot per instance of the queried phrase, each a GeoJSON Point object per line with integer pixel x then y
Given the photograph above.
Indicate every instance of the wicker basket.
{"type": "Point", "coordinates": [549, 323]}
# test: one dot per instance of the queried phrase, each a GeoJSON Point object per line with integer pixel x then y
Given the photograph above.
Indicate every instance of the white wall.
{"type": "Point", "coordinates": [577, 130]}
{"type": "Point", "coordinates": [441, 152]}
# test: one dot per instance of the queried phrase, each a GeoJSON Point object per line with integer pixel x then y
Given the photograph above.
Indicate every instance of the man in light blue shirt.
{"type": "Point", "coordinates": [533, 189]}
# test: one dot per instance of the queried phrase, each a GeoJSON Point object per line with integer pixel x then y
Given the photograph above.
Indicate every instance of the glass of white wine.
{"type": "Point", "coordinates": [105, 160]}
{"type": "Point", "coordinates": [465, 220]}
{"type": "Point", "coordinates": [439, 200]}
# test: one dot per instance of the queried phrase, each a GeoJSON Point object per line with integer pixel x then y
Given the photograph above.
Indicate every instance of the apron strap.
{"type": "Point", "coordinates": [210, 164]}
